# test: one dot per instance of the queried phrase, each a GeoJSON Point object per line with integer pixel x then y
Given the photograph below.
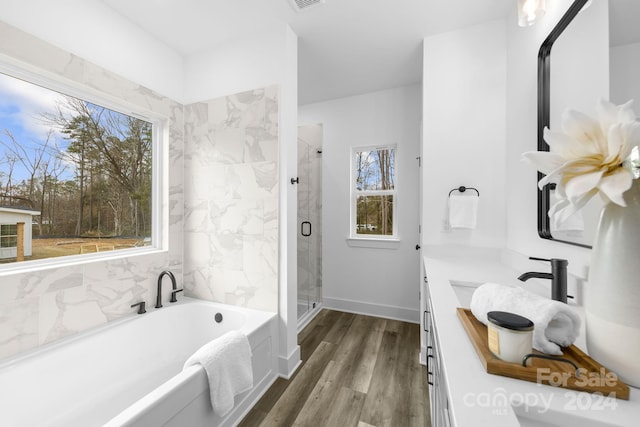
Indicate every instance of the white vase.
{"type": "Point", "coordinates": [612, 303]}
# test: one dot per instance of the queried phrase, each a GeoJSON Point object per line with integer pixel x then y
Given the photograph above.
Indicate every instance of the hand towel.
{"type": "Point", "coordinates": [227, 362]}
{"type": "Point", "coordinates": [556, 324]}
{"type": "Point", "coordinates": [463, 211]}
{"type": "Point", "coordinates": [574, 222]}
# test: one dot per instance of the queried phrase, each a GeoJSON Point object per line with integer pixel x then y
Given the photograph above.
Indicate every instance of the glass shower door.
{"type": "Point", "coordinates": [309, 218]}
{"type": "Point", "coordinates": [304, 269]}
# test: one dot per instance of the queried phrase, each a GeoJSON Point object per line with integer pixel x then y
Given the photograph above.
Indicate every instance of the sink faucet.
{"type": "Point", "coordinates": [174, 288]}
{"type": "Point", "coordinates": [558, 277]}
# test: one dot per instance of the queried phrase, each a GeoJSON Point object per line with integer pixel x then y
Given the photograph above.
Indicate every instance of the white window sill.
{"type": "Point", "coordinates": [369, 242]}
{"type": "Point", "coordinates": [74, 260]}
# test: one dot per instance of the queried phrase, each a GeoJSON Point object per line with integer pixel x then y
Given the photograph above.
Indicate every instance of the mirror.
{"type": "Point", "coordinates": [596, 49]}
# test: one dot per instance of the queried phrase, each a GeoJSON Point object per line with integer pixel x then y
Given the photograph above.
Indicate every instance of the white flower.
{"type": "Point", "coordinates": [586, 157]}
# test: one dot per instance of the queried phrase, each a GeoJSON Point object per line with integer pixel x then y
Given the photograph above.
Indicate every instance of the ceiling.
{"type": "Point", "coordinates": [345, 47]}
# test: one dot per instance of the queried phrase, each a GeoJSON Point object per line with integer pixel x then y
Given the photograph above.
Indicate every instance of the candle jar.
{"type": "Point", "coordinates": [509, 335]}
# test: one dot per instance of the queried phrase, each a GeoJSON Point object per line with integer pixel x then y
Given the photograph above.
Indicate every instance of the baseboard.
{"type": "Point", "coordinates": [377, 310]}
{"type": "Point", "coordinates": [287, 366]}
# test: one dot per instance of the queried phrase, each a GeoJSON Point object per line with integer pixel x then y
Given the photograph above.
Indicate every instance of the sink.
{"type": "Point", "coordinates": [532, 416]}
{"type": "Point", "coordinates": [464, 290]}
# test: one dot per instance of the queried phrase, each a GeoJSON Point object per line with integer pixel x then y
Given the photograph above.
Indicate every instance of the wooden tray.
{"type": "Point", "coordinates": [593, 376]}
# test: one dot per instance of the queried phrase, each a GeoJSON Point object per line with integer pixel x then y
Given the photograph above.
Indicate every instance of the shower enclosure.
{"type": "Point", "coordinates": [309, 220]}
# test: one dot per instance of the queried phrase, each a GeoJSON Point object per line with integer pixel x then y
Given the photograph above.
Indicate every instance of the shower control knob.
{"type": "Point", "coordinates": [417, 247]}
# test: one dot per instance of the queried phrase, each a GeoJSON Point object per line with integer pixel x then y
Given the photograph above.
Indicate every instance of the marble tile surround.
{"type": "Point", "coordinates": [231, 193]}
{"type": "Point", "coordinates": [42, 306]}
{"type": "Point", "coordinates": [223, 212]}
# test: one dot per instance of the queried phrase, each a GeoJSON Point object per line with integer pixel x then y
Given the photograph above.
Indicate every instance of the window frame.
{"type": "Point", "coordinates": [159, 168]}
{"type": "Point", "coordinates": [6, 236]}
{"type": "Point", "coordinates": [354, 193]}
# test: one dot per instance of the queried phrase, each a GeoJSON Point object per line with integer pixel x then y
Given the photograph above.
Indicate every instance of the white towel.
{"type": "Point", "coordinates": [575, 222]}
{"type": "Point", "coordinates": [227, 361]}
{"type": "Point", "coordinates": [556, 324]}
{"type": "Point", "coordinates": [463, 211]}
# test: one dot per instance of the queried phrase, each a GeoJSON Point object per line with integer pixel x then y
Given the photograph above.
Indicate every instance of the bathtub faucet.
{"type": "Point", "coordinates": [174, 288]}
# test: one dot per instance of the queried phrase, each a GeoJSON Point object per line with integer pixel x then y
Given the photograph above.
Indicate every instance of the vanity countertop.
{"type": "Point", "coordinates": [477, 398]}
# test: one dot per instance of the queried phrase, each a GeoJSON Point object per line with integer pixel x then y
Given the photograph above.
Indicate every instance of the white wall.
{"type": "Point", "coordinates": [375, 281]}
{"type": "Point", "coordinates": [522, 50]}
{"type": "Point", "coordinates": [237, 66]}
{"type": "Point", "coordinates": [95, 32]}
{"type": "Point", "coordinates": [289, 349]}
{"type": "Point", "coordinates": [464, 123]}
{"type": "Point", "coordinates": [480, 115]}
{"type": "Point", "coordinates": [625, 85]}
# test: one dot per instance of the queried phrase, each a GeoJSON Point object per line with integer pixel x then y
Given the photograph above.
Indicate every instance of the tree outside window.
{"type": "Point", "coordinates": [86, 168]}
{"type": "Point", "coordinates": [374, 192]}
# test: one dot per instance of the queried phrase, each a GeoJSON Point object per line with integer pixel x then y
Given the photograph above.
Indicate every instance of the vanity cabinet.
{"type": "Point", "coordinates": [438, 394]}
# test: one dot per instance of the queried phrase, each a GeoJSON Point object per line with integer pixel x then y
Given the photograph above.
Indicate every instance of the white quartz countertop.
{"type": "Point", "coordinates": [477, 398]}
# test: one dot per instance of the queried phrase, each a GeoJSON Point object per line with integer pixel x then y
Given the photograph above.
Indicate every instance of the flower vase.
{"type": "Point", "coordinates": [612, 298]}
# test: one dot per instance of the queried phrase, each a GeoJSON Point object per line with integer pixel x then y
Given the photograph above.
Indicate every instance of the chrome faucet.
{"type": "Point", "coordinates": [558, 277]}
{"type": "Point", "coordinates": [174, 288]}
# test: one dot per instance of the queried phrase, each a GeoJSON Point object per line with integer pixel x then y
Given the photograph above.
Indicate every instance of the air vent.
{"type": "Point", "coordinates": [300, 5]}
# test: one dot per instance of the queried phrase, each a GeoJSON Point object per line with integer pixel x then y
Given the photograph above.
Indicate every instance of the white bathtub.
{"type": "Point", "coordinates": [129, 372]}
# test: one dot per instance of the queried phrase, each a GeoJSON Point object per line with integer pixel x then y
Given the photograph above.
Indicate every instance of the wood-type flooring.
{"type": "Point", "coordinates": [358, 371]}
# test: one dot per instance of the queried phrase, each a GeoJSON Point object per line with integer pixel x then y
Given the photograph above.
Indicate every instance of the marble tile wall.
{"type": "Point", "coordinates": [45, 305]}
{"type": "Point", "coordinates": [222, 208]}
{"type": "Point", "coordinates": [231, 199]}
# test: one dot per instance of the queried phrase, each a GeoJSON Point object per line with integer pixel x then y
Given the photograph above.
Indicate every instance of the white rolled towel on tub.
{"type": "Point", "coordinates": [555, 324]}
{"type": "Point", "coordinates": [227, 361]}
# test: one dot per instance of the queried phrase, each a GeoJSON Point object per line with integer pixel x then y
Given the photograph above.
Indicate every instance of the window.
{"type": "Point", "coordinates": [84, 168]}
{"type": "Point", "coordinates": [8, 235]}
{"type": "Point", "coordinates": [373, 192]}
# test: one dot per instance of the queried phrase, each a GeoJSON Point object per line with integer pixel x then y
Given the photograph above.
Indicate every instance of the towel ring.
{"type": "Point", "coordinates": [462, 189]}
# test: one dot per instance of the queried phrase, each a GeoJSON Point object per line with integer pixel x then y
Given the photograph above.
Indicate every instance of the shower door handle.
{"type": "Point", "coordinates": [302, 228]}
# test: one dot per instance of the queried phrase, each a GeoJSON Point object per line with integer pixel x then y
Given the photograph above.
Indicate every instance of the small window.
{"type": "Point", "coordinates": [373, 192]}
{"type": "Point", "coordinates": [84, 169]}
{"type": "Point", "coordinates": [8, 235]}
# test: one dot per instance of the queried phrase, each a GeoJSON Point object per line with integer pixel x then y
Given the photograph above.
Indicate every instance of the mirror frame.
{"type": "Point", "coordinates": [544, 100]}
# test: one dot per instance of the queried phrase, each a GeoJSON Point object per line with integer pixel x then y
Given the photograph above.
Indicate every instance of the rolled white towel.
{"type": "Point", "coordinates": [556, 324]}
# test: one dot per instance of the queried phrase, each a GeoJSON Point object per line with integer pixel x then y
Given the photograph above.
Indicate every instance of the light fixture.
{"type": "Point", "coordinates": [529, 11]}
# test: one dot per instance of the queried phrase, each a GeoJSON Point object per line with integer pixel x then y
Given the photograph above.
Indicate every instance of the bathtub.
{"type": "Point", "coordinates": [129, 372]}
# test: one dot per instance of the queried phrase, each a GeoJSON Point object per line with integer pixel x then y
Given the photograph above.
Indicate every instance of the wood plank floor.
{"type": "Point", "coordinates": [357, 371]}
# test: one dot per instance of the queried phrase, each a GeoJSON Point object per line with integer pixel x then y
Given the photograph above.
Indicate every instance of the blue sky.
{"type": "Point", "coordinates": [371, 169]}
{"type": "Point", "coordinates": [21, 108]}
{"type": "Point", "coordinates": [21, 104]}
